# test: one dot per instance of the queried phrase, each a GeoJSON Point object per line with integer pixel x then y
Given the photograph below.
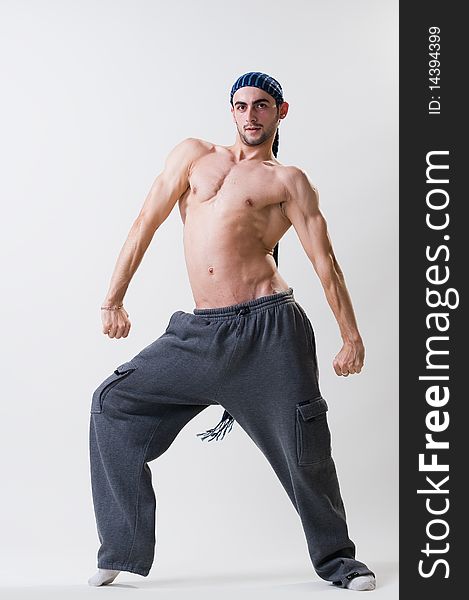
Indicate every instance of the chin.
{"type": "Point", "coordinates": [254, 142]}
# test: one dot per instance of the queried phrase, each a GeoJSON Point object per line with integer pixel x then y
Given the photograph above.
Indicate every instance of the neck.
{"type": "Point", "coordinates": [260, 152]}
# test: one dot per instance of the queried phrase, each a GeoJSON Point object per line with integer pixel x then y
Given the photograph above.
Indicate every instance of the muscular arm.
{"type": "Point", "coordinates": [302, 209]}
{"type": "Point", "coordinates": [165, 191]}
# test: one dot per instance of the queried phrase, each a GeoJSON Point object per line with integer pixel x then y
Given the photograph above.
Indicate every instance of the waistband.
{"type": "Point", "coordinates": [242, 308]}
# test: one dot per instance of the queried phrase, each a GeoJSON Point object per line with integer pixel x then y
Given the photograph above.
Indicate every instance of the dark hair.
{"type": "Point", "coordinates": [274, 152]}
{"type": "Point", "coordinates": [275, 145]}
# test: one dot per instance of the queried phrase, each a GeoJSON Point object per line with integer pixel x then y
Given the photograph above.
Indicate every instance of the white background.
{"type": "Point", "coordinates": [94, 96]}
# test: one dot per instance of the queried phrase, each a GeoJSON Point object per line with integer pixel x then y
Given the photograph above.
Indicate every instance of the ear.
{"type": "Point", "coordinates": [283, 110]}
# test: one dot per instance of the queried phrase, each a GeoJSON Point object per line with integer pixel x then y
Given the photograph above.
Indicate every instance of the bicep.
{"type": "Point", "coordinates": [302, 209]}
{"type": "Point", "coordinates": [170, 184]}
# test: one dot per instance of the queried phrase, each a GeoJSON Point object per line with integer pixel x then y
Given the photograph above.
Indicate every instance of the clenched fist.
{"type": "Point", "coordinates": [116, 323]}
{"type": "Point", "coordinates": [350, 358]}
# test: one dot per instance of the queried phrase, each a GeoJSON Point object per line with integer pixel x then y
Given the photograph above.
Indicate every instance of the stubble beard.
{"type": "Point", "coordinates": [264, 135]}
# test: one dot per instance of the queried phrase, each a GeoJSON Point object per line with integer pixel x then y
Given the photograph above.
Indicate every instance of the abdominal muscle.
{"type": "Point", "coordinates": [226, 257]}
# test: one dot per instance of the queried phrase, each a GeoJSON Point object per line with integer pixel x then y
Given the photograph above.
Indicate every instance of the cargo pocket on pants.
{"type": "Point", "coordinates": [100, 392]}
{"type": "Point", "coordinates": [313, 437]}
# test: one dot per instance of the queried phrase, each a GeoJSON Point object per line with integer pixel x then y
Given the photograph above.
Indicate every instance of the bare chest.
{"type": "Point", "coordinates": [232, 186]}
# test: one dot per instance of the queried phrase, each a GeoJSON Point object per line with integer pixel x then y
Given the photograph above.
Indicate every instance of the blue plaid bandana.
{"type": "Point", "coordinates": [261, 80]}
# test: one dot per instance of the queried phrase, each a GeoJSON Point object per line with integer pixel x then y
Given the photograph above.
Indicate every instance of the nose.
{"type": "Point", "coordinates": [250, 117]}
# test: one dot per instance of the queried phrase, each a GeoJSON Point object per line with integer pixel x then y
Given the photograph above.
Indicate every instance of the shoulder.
{"type": "Point", "coordinates": [194, 142]}
{"type": "Point", "coordinates": [187, 151]}
{"type": "Point", "coordinates": [193, 146]}
{"type": "Point", "coordinates": [297, 182]}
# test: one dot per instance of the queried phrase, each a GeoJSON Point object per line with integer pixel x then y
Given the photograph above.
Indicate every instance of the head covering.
{"type": "Point", "coordinates": [271, 86]}
{"type": "Point", "coordinates": [261, 80]}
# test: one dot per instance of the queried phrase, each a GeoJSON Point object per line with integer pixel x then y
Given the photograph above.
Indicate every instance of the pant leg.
{"type": "Point", "coordinates": [136, 413]}
{"type": "Point", "coordinates": [272, 391]}
{"type": "Point", "coordinates": [123, 494]}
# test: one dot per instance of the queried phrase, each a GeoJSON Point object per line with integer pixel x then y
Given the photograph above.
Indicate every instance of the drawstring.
{"type": "Point", "coordinates": [226, 422]}
{"type": "Point", "coordinates": [224, 426]}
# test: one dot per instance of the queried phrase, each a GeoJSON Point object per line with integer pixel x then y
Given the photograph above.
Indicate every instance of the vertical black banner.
{"type": "Point", "coordinates": [433, 259]}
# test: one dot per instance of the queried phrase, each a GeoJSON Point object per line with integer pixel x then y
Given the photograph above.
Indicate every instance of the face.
{"type": "Point", "coordinates": [256, 115]}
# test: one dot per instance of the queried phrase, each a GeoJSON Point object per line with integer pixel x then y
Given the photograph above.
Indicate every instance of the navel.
{"type": "Point", "coordinates": [248, 201]}
{"type": "Point", "coordinates": [210, 269]}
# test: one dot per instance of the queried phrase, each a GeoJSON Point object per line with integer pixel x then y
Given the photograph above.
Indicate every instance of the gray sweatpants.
{"type": "Point", "coordinates": [257, 359]}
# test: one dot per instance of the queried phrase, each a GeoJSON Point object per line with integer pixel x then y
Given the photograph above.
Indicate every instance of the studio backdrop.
{"type": "Point", "coordinates": [95, 95]}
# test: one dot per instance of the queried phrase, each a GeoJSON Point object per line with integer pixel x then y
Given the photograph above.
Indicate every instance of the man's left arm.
{"type": "Point", "coordinates": [302, 209]}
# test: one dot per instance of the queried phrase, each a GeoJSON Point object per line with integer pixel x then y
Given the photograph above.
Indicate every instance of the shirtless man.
{"type": "Point", "coordinates": [247, 345]}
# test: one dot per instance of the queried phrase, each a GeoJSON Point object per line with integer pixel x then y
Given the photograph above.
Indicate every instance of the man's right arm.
{"type": "Point", "coordinates": [165, 191]}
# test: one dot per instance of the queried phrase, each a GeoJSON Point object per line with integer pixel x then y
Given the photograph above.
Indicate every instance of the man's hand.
{"type": "Point", "coordinates": [350, 358]}
{"type": "Point", "coordinates": [116, 323]}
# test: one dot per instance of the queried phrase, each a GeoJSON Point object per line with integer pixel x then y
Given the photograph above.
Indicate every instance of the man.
{"type": "Point", "coordinates": [247, 345]}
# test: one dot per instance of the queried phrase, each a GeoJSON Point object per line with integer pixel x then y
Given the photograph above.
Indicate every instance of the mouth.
{"type": "Point", "coordinates": [252, 128]}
